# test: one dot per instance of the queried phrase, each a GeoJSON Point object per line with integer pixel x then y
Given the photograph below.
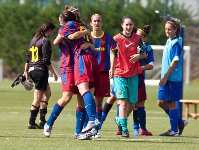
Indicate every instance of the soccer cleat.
{"type": "Point", "coordinates": [125, 134]}
{"type": "Point", "coordinates": [136, 132]}
{"type": "Point", "coordinates": [41, 124]}
{"type": "Point", "coordinates": [90, 125]}
{"type": "Point", "coordinates": [34, 126]}
{"type": "Point", "coordinates": [170, 133]}
{"type": "Point", "coordinates": [47, 130]}
{"type": "Point", "coordinates": [145, 132]}
{"type": "Point", "coordinates": [84, 136]}
{"type": "Point", "coordinates": [119, 132]}
{"type": "Point", "coordinates": [97, 135]}
{"type": "Point", "coordinates": [181, 126]}
{"type": "Point", "coordinates": [76, 136]}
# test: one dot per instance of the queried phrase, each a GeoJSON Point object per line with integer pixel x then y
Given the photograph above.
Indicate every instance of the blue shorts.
{"type": "Point", "coordinates": [172, 91]}
{"type": "Point", "coordinates": [126, 88]}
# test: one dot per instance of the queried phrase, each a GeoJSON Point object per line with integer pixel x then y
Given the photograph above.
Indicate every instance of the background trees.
{"type": "Point", "coordinates": [19, 22]}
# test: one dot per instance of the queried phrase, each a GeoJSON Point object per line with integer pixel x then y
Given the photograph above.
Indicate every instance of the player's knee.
{"type": "Point", "coordinates": [161, 104]}
{"type": "Point", "coordinates": [111, 99]}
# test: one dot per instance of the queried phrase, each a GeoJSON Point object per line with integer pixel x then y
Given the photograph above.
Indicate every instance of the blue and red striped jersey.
{"type": "Point", "coordinates": [65, 55]}
{"type": "Point", "coordinates": [103, 45]}
{"type": "Point", "coordinates": [72, 27]}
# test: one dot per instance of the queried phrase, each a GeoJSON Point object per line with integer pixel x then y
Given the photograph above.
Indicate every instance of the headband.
{"type": "Point", "coordinates": [74, 10]}
{"type": "Point", "coordinates": [172, 23]}
{"type": "Point", "coordinates": [142, 32]}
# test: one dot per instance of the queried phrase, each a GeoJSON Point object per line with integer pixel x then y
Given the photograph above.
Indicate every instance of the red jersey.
{"type": "Point", "coordinates": [126, 48]}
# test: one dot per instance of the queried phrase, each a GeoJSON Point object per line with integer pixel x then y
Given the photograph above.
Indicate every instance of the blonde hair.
{"type": "Point", "coordinates": [96, 15]}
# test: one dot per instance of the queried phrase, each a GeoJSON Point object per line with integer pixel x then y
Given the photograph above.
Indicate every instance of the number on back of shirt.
{"type": "Point", "coordinates": [34, 54]}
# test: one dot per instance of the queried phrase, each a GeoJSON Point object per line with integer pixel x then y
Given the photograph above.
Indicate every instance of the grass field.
{"type": "Point", "coordinates": [14, 135]}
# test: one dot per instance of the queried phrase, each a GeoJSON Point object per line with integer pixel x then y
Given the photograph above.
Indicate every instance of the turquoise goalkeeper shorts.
{"type": "Point", "coordinates": [126, 88]}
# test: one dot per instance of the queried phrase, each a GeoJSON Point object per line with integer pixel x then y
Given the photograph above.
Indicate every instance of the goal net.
{"type": "Point", "coordinates": [153, 76]}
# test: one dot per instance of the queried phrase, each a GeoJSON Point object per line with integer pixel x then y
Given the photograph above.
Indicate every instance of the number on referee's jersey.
{"type": "Point", "coordinates": [34, 54]}
{"type": "Point", "coordinates": [81, 28]}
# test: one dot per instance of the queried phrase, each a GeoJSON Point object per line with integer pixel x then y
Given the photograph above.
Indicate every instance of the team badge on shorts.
{"type": "Point", "coordinates": [119, 92]}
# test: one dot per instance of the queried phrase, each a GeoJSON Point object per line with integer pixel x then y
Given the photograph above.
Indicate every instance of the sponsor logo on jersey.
{"type": "Point", "coordinates": [128, 45]}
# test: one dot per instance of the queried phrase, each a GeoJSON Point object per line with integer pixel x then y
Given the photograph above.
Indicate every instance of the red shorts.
{"type": "Point", "coordinates": [141, 88]}
{"type": "Point", "coordinates": [104, 89]}
{"type": "Point", "coordinates": [68, 84]}
{"type": "Point", "coordinates": [86, 70]}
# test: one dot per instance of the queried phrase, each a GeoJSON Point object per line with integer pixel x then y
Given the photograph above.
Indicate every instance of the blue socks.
{"type": "Point", "coordinates": [89, 105]}
{"type": "Point", "coordinates": [141, 114]}
{"type": "Point", "coordinates": [98, 116]}
{"type": "Point", "coordinates": [180, 121]}
{"type": "Point", "coordinates": [103, 118]}
{"type": "Point", "coordinates": [80, 118]}
{"type": "Point", "coordinates": [54, 114]}
{"type": "Point", "coordinates": [173, 115]}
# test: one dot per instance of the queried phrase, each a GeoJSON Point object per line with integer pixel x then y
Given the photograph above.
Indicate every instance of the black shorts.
{"type": "Point", "coordinates": [40, 78]}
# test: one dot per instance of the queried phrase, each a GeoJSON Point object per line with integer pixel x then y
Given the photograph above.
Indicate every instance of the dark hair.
{"type": "Point", "coordinates": [145, 30]}
{"type": "Point", "coordinates": [134, 30]}
{"type": "Point", "coordinates": [69, 14]}
{"type": "Point", "coordinates": [175, 25]}
{"type": "Point", "coordinates": [127, 17]}
{"type": "Point", "coordinates": [42, 30]}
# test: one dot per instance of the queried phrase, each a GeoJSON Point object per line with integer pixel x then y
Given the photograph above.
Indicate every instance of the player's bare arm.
{"type": "Point", "coordinates": [112, 62]}
{"type": "Point", "coordinates": [169, 71]}
{"type": "Point", "coordinates": [25, 74]}
{"type": "Point", "coordinates": [78, 34]}
{"type": "Point", "coordinates": [74, 36]}
{"type": "Point", "coordinates": [53, 72]}
{"type": "Point", "coordinates": [147, 67]}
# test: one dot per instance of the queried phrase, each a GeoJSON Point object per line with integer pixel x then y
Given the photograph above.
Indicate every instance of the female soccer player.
{"type": "Point", "coordinates": [145, 64]}
{"type": "Point", "coordinates": [125, 69]}
{"type": "Point", "coordinates": [139, 114]}
{"type": "Point", "coordinates": [67, 75]}
{"type": "Point", "coordinates": [37, 65]}
{"type": "Point", "coordinates": [171, 78]}
{"type": "Point", "coordinates": [110, 101]}
{"type": "Point", "coordinates": [104, 43]}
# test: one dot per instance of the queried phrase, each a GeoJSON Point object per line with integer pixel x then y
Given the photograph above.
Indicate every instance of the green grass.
{"type": "Point", "coordinates": [14, 135]}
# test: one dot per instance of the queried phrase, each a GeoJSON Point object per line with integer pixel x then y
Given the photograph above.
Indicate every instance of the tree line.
{"type": "Point", "coordinates": [19, 22]}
